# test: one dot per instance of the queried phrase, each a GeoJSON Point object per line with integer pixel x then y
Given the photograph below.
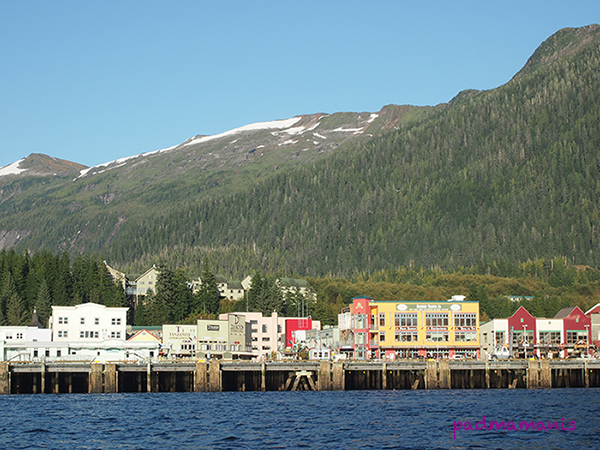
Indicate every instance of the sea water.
{"type": "Point", "coordinates": [289, 420]}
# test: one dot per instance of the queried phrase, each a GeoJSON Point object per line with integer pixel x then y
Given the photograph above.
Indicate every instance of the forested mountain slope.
{"type": "Point", "coordinates": [511, 173]}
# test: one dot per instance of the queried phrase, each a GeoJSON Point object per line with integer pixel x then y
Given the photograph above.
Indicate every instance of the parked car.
{"type": "Point", "coordinates": [500, 352]}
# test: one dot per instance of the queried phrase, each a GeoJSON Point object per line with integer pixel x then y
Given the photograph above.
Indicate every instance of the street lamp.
{"type": "Point", "coordinates": [587, 339]}
{"type": "Point", "coordinates": [525, 343]}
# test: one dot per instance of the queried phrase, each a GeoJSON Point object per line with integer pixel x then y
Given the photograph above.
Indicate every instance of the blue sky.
{"type": "Point", "coordinates": [91, 82]}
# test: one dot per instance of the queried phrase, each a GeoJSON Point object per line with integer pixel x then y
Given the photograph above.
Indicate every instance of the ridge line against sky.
{"type": "Point", "coordinates": [92, 82]}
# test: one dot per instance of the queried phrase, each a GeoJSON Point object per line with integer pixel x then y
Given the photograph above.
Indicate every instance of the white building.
{"type": "Point", "coordinates": [180, 341]}
{"type": "Point", "coordinates": [88, 322]}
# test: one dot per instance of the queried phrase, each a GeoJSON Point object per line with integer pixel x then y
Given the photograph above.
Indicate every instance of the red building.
{"type": "Point", "coordinates": [577, 327]}
{"type": "Point", "coordinates": [293, 326]}
{"type": "Point", "coordinates": [524, 331]}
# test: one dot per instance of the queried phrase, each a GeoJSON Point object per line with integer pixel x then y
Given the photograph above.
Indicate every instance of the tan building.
{"type": "Point", "coordinates": [140, 285]}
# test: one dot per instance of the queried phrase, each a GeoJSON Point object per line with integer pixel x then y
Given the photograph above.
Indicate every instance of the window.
{"type": "Point", "coordinates": [97, 321]}
{"type": "Point", "coordinates": [115, 321]}
{"type": "Point", "coordinates": [382, 319]}
{"type": "Point", "coordinates": [549, 337]}
{"type": "Point", "coordinates": [82, 321]}
{"type": "Point", "coordinates": [500, 337]}
{"type": "Point", "coordinates": [266, 339]}
{"type": "Point", "coordinates": [436, 336]}
{"type": "Point", "coordinates": [81, 334]}
{"type": "Point", "coordinates": [19, 335]}
{"type": "Point", "coordinates": [63, 320]}
{"type": "Point", "coordinates": [96, 334]}
{"type": "Point", "coordinates": [360, 338]}
{"type": "Point", "coordinates": [574, 336]}
{"type": "Point", "coordinates": [465, 336]}
{"type": "Point", "coordinates": [406, 336]}
{"type": "Point", "coordinates": [360, 321]}
{"type": "Point", "coordinates": [264, 328]}
{"type": "Point", "coordinates": [465, 320]}
{"type": "Point", "coordinates": [266, 347]}
{"type": "Point", "coordinates": [254, 322]}
{"type": "Point", "coordinates": [518, 338]}
{"type": "Point", "coordinates": [405, 319]}
{"type": "Point", "coordinates": [381, 336]}
{"type": "Point", "coordinates": [436, 319]}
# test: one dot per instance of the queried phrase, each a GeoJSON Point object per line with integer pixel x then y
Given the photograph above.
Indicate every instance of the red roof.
{"type": "Point", "coordinates": [593, 310]}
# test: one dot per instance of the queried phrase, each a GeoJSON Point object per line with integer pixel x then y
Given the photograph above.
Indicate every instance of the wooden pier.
{"type": "Point", "coordinates": [217, 376]}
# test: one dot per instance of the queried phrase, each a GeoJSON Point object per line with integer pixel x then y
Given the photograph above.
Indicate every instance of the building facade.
{"type": "Point", "coordinates": [88, 322]}
{"type": "Point", "coordinates": [569, 333]}
{"type": "Point", "coordinates": [410, 329]}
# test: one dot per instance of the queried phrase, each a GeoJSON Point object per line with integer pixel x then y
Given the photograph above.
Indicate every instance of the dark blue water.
{"type": "Point", "coordinates": [282, 420]}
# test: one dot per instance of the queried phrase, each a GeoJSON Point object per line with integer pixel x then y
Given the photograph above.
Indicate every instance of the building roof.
{"type": "Point", "coordinates": [293, 282]}
{"type": "Point", "coordinates": [235, 285]}
{"type": "Point", "coordinates": [593, 310]}
{"type": "Point", "coordinates": [565, 312]}
{"type": "Point", "coordinates": [35, 321]}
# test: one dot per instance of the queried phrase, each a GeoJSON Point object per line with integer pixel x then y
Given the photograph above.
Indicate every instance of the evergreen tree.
{"type": "Point", "coordinates": [208, 297]}
{"type": "Point", "coordinates": [43, 304]}
{"type": "Point", "coordinates": [173, 294]}
{"type": "Point", "coordinates": [141, 313]}
{"type": "Point", "coordinates": [15, 310]}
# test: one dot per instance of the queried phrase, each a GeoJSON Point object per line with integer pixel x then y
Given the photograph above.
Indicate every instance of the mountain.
{"type": "Point", "coordinates": [506, 174]}
{"type": "Point", "coordinates": [50, 203]}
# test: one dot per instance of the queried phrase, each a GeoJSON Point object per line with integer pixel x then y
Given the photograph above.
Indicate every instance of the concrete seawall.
{"type": "Point", "coordinates": [217, 376]}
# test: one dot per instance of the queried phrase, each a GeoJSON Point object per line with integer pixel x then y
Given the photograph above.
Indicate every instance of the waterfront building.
{"type": "Point", "coordinates": [179, 341]}
{"type": "Point", "coordinates": [569, 333]}
{"type": "Point", "coordinates": [594, 314]}
{"type": "Point", "coordinates": [88, 322]}
{"type": "Point", "coordinates": [226, 338]}
{"type": "Point", "coordinates": [143, 335]}
{"type": "Point", "coordinates": [273, 333]}
{"type": "Point", "coordinates": [493, 335]}
{"type": "Point", "coordinates": [328, 337]}
{"type": "Point", "coordinates": [577, 330]}
{"type": "Point", "coordinates": [26, 343]}
{"type": "Point", "coordinates": [372, 329]}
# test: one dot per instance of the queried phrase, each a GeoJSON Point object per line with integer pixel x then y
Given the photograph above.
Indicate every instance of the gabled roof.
{"type": "Point", "coordinates": [235, 285]}
{"type": "Point", "coordinates": [521, 309]}
{"type": "Point", "coordinates": [143, 335]}
{"type": "Point", "coordinates": [35, 321]}
{"type": "Point", "coordinates": [593, 310]}
{"type": "Point", "coordinates": [293, 282]}
{"type": "Point", "coordinates": [565, 312]}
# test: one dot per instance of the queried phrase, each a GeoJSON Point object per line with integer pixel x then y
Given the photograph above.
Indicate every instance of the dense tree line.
{"type": "Point", "coordinates": [40, 280]}
{"type": "Point", "coordinates": [508, 174]}
{"type": "Point", "coordinates": [505, 175]}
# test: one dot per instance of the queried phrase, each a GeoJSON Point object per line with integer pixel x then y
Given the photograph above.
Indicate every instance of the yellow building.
{"type": "Point", "coordinates": [411, 329]}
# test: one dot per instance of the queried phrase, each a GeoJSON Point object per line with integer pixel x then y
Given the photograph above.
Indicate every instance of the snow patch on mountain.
{"type": "Point", "coordinates": [12, 169]}
{"type": "Point", "coordinates": [280, 124]}
{"type": "Point", "coordinates": [120, 162]}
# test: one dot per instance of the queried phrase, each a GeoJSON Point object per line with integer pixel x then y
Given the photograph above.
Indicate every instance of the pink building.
{"type": "Point", "coordinates": [271, 333]}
